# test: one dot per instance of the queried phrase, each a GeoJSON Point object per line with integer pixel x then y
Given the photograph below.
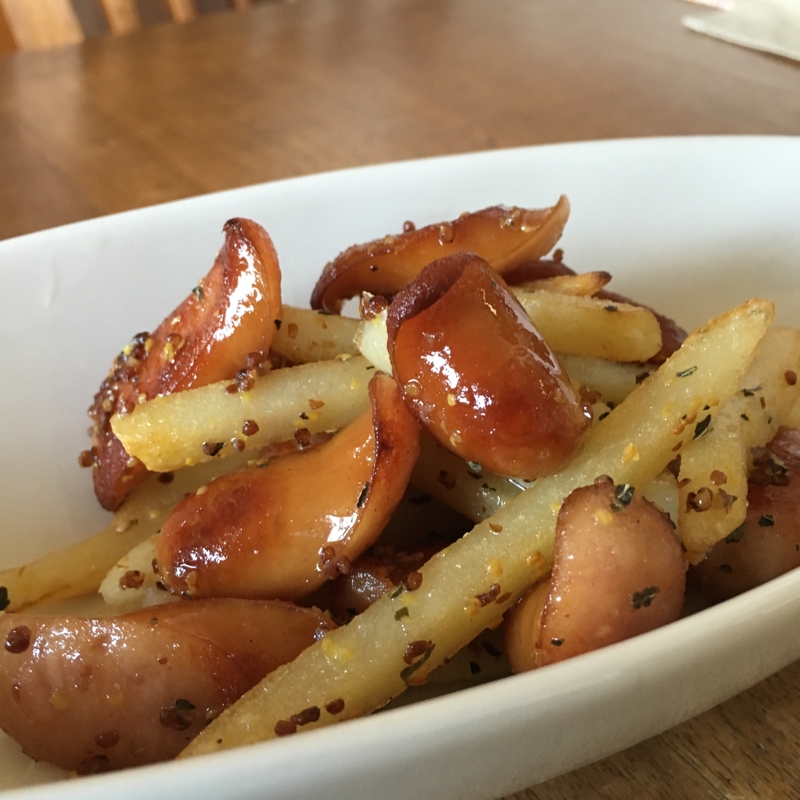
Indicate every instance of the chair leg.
{"type": "Point", "coordinates": [45, 23]}
{"type": "Point", "coordinates": [182, 10]}
{"type": "Point", "coordinates": [7, 42]}
{"type": "Point", "coordinates": [122, 15]}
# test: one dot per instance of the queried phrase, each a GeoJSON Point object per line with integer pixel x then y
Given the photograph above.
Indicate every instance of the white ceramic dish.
{"type": "Point", "coordinates": [692, 226]}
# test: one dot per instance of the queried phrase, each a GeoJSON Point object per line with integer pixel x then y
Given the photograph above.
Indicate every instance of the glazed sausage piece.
{"type": "Point", "coordinates": [372, 576]}
{"type": "Point", "coordinates": [281, 530]}
{"type": "Point", "coordinates": [768, 543]}
{"type": "Point", "coordinates": [96, 694]}
{"type": "Point", "coordinates": [618, 571]}
{"type": "Point", "coordinates": [503, 236]}
{"type": "Point", "coordinates": [478, 376]}
{"type": "Point", "coordinates": [229, 316]}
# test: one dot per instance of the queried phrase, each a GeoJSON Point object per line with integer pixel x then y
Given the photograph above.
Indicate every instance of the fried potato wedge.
{"type": "Point", "coordinates": [612, 380]}
{"type": "Point", "coordinates": [468, 586]}
{"type": "Point", "coordinates": [463, 486]}
{"type": "Point", "coordinates": [767, 543]}
{"type": "Point", "coordinates": [714, 468]}
{"type": "Point", "coordinates": [503, 236]}
{"type": "Point", "coordinates": [583, 284]}
{"type": "Point", "coordinates": [261, 533]}
{"type": "Point", "coordinates": [305, 336]}
{"type": "Point", "coordinates": [190, 427]}
{"type": "Point", "coordinates": [133, 582]}
{"type": "Point", "coordinates": [589, 326]}
{"type": "Point", "coordinates": [79, 568]}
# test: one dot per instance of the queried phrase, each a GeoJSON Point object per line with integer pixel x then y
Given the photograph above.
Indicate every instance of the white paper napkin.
{"type": "Point", "coordinates": [769, 25]}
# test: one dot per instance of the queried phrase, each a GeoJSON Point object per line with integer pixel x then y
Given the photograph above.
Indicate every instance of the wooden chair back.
{"type": "Point", "coordinates": [40, 24]}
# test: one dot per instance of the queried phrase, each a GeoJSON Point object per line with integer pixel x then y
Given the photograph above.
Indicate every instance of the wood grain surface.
{"type": "Point", "coordinates": [291, 89]}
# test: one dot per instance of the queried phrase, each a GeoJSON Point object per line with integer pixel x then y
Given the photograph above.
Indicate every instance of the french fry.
{"type": "Point", "coordinates": [371, 340]}
{"type": "Point", "coordinates": [79, 568]}
{"type": "Point", "coordinates": [170, 432]}
{"type": "Point", "coordinates": [132, 581]}
{"type": "Point", "coordinates": [614, 380]}
{"type": "Point", "coordinates": [588, 326]}
{"type": "Point", "coordinates": [715, 468]}
{"type": "Point", "coordinates": [465, 488]}
{"type": "Point", "coordinates": [584, 284]}
{"type": "Point", "coordinates": [306, 336]}
{"type": "Point", "coordinates": [467, 587]}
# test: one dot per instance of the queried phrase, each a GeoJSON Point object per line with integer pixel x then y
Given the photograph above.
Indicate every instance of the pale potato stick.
{"type": "Point", "coordinates": [132, 582]}
{"type": "Point", "coordinates": [371, 340]}
{"type": "Point", "coordinates": [614, 380]}
{"type": "Point", "coordinates": [714, 469]}
{"type": "Point", "coordinates": [584, 284]}
{"type": "Point", "coordinates": [79, 568]}
{"type": "Point", "coordinates": [305, 336]}
{"type": "Point", "coordinates": [169, 432]}
{"type": "Point", "coordinates": [465, 488]}
{"type": "Point", "coordinates": [663, 491]}
{"type": "Point", "coordinates": [587, 326]}
{"type": "Point", "coordinates": [466, 588]}
{"type": "Point", "coordinates": [479, 494]}
{"type": "Point", "coordinates": [724, 454]}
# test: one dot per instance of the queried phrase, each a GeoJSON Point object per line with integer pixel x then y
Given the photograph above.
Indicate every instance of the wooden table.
{"type": "Point", "coordinates": [321, 84]}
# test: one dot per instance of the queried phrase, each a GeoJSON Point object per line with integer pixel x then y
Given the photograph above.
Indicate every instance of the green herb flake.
{"type": "Point", "coordinates": [475, 466]}
{"type": "Point", "coordinates": [198, 292]}
{"type": "Point", "coordinates": [4, 601]}
{"type": "Point", "coordinates": [362, 498]}
{"type": "Point", "coordinates": [737, 534]}
{"type": "Point", "coordinates": [644, 598]}
{"type": "Point", "coordinates": [766, 521]}
{"type": "Point", "coordinates": [624, 493]}
{"type": "Point", "coordinates": [685, 373]}
{"type": "Point", "coordinates": [702, 427]}
{"type": "Point", "coordinates": [610, 308]}
{"type": "Point", "coordinates": [751, 392]}
{"type": "Point", "coordinates": [400, 613]}
{"type": "Point", "coordinates": [603, 415]}
{"type": "Point", "coordinates": [745, 417]}
{"type": "Point", "coordinates": [183, 705]}
{"type": "Point", "coordinates": [410, 670]}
